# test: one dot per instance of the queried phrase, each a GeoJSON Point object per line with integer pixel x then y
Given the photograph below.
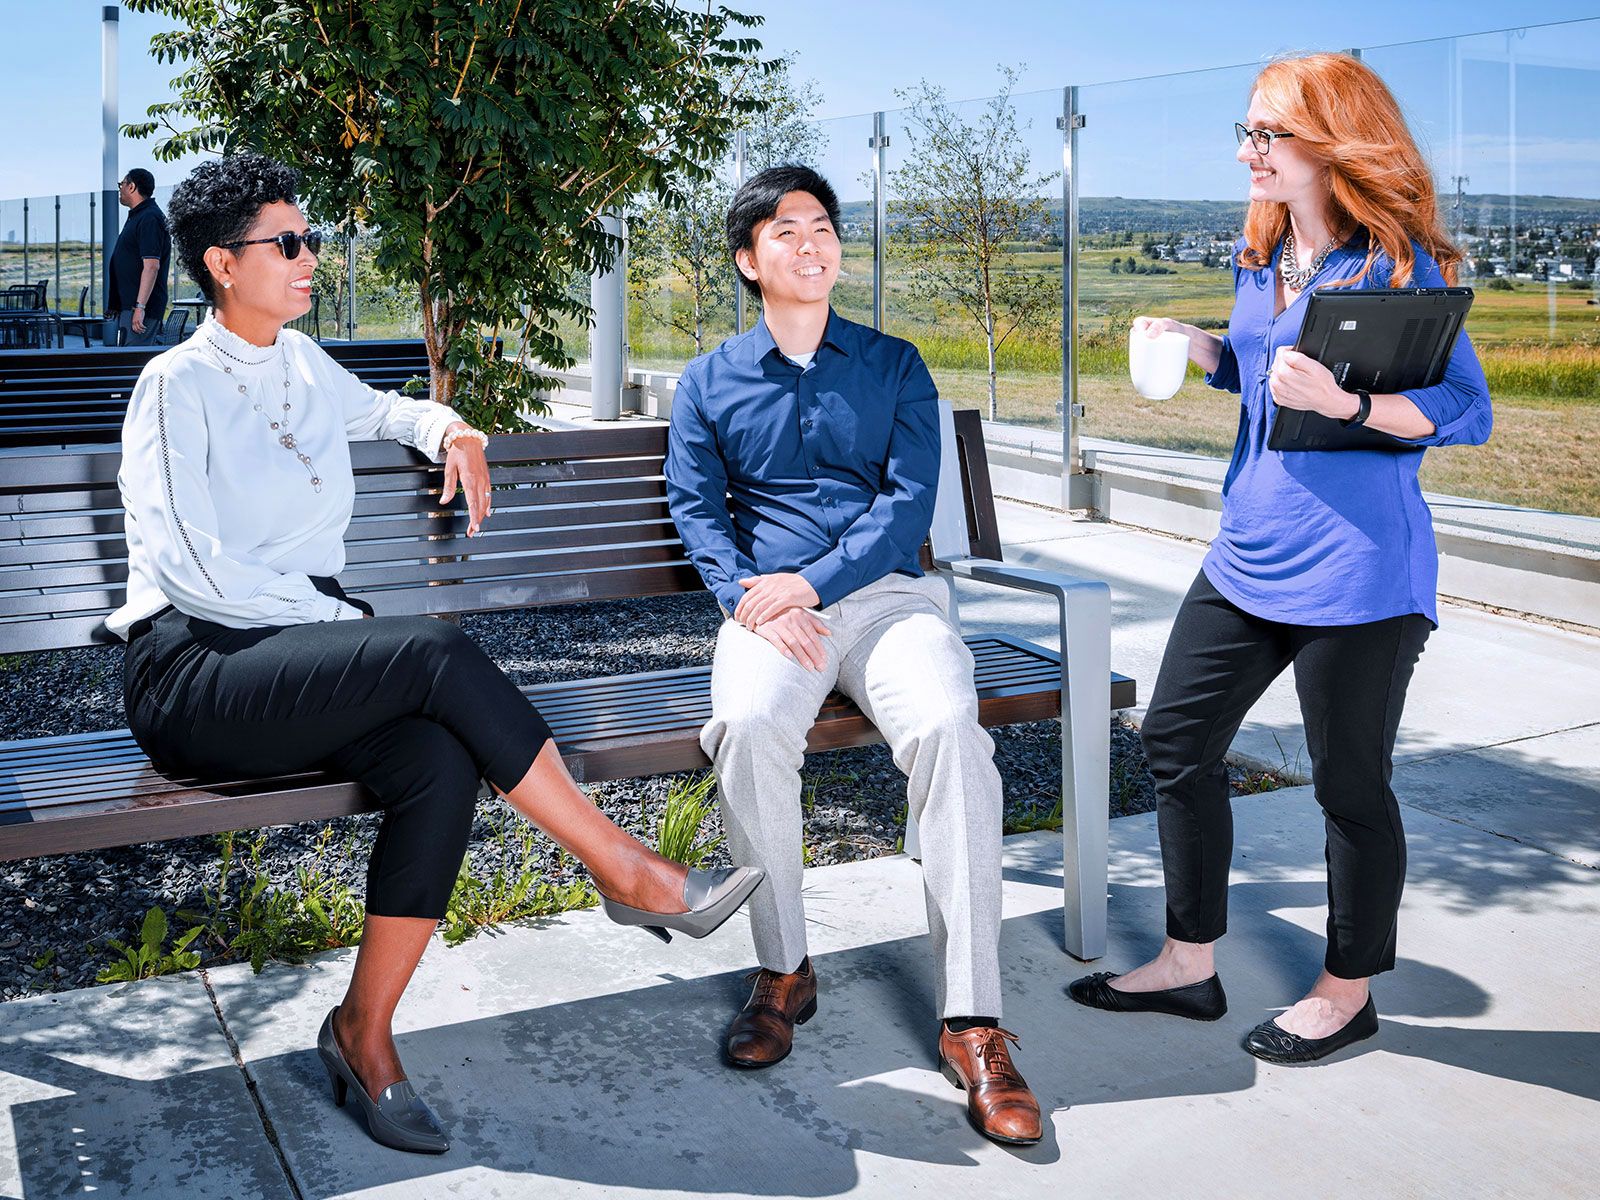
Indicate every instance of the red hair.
{"type": "Point", "coordinates": [1344, 115]}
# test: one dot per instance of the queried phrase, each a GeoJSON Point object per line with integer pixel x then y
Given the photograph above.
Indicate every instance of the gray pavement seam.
{"type": "Point", "coordinates": [1435, 755]}
{"type": "Point", "coordinates": [250, 1086]}
{"type": "Point", "coordinates": [1494, 833]}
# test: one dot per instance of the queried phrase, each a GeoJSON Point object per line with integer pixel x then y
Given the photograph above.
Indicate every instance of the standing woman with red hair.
{"type": "Point", "coordinates": [1325, 561]}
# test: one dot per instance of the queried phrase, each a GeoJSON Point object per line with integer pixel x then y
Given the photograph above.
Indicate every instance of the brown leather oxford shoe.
{"type": "Point", "coordinates": [763, 1032]}
{"type": "Point", "coordinates": [999, 1104]}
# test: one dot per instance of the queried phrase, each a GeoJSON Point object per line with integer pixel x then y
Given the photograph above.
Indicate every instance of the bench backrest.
{"type": "Point", "coordinates": [79, 397]}
{"type": "Point", "coordinates": [578, 515]}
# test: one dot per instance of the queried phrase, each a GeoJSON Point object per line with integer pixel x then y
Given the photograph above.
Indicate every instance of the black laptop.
{"type": "Point", "coordinates": [1383, 340]}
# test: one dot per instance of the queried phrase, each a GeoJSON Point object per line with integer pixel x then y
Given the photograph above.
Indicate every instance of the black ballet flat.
{"type": "Point", "coordinates": [1272, 1043]}
{"type": "Point", "coordinates": [1203, 1001]}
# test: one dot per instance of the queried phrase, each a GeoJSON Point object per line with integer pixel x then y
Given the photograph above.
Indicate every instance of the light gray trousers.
{"type": "Point", "coordinates": [895, 651]}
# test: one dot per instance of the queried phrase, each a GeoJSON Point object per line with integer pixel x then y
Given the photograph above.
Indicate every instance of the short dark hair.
{"type": "Point", "coordinates": [758, 201]}
{"type": "Point", "coordinates": [218, 203]}
{"type": "Point", "coordinates": [143, 182]}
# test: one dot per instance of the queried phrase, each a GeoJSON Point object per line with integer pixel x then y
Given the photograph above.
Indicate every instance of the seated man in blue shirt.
{"type": "Point", "coordinates": [801, 468]}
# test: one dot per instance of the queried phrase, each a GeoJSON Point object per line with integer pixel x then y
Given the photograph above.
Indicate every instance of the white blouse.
{"type": "Point", "coordinates": [224, 521]}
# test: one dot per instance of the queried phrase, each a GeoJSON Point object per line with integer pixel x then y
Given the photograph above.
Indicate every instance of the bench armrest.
{"type": "Point", "coordinates": [1084, 608]}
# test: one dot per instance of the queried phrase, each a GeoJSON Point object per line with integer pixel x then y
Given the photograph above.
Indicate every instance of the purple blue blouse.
{"type": "Point", "coordinates": [1330, 537]}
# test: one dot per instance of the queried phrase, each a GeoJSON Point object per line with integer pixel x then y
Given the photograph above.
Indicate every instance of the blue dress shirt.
{"type": "Point", "coordinates": [1317, 537]}
{"type": "Point", "coordinates": [827, 471]}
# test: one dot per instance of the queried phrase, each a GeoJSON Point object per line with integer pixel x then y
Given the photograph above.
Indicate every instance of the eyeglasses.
{"type": "Point", "coordinates": [289, 243]}
{"type": "Point", "coordinates": [1260, 139]}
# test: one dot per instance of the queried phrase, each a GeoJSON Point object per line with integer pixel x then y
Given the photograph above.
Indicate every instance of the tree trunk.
{"type": "Point", "coordinates": [988, 332]}
{"type": "Point", "coordinates": [699, 315]}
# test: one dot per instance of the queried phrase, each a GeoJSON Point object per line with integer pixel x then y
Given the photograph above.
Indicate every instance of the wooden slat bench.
{"type": "Point", "coordinates": [79, 397]}
{"type": "Point", "coordinates": [579, 516]}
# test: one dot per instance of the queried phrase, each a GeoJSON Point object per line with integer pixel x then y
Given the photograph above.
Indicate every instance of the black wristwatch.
{"type": "Point", "coordinates": [1363, 410]}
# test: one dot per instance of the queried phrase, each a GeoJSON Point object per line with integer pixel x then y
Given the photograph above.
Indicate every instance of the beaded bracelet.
{"type": "Point", "coordinates": [450, 439]}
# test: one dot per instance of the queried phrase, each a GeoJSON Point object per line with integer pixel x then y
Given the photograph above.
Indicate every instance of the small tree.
{"type": "Point", "coordinates": [965, 191]}
{"type": "Point", "coordinates": [481, 142]}
{"type": "Point", "coordinates": [683, 238]}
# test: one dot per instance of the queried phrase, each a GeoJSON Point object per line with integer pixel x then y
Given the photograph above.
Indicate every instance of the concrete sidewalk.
{"type": "Point", "coordinates": [577, 1059]}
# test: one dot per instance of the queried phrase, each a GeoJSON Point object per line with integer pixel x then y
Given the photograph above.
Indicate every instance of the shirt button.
{"type": "Point", "coordinates": [807, 422]}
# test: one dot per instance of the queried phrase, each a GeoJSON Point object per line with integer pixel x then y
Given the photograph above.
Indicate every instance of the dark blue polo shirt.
{"type": "Point", "coordinates": [144, 235]}
{"type": "Point", "coordinates": [828, 471]}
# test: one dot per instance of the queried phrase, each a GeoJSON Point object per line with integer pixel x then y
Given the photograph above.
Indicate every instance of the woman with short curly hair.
{"type": "Point", "coordinates": [1325, 561]}
{"type": "Point", "coordinates": [246, 657]}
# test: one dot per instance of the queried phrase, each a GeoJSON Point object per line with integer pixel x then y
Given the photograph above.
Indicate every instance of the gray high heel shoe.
{"type": "Point", "coordinates": [710, 896]}
{"type": "Point", "coordinates": [398, 1118]}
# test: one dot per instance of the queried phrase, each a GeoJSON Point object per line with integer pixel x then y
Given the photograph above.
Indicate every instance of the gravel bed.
{"type": "Point", "coordinates": [67, 907]}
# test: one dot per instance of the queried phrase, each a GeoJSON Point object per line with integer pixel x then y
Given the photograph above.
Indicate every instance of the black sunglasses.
{"type": "Point", "coordinates": [289, 243]}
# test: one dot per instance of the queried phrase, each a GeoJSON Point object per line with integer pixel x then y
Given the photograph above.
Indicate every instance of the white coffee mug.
{"type": "Point", "coordinates": [1157, 364]}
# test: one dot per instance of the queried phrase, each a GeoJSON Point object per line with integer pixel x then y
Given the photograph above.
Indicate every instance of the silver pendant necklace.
{"type": "Point", "coordinates": [1290, 271]}
{"type": "Point", "coordinates": [280, 424]}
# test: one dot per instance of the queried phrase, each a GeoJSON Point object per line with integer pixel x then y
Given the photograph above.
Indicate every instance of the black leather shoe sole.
{"type": "Point", "coordinates": [1273, 1043]}
{"type": "Point", "coordinates": [757, 1064]}
{"type": "Point", "coordinates": [1203, 1001]}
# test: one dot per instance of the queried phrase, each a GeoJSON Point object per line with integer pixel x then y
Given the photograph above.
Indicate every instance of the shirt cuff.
{"type": "Point", "coordinates": [827, 577]}
{"type": "Point", "coordinates": [729, 595]}
{"type": "Point", "coordinates": [333, 609]}
{"type": "Point", "coordinates": [430, 430]}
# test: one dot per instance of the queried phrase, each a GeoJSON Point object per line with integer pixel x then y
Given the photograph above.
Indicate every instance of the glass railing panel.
{"type": "Point", "coordinates": [982, 305]}
{"type": "Point", "coordinates": [841, 152]}
{"type": "Point", "coordinates": [680, 299]}
{"type": "Point", "coordinates": [12, 256]}
{"type": "Point", "coordinates": [1507, 122]}
{"type": "Point", "coordinates": [1161, 202]}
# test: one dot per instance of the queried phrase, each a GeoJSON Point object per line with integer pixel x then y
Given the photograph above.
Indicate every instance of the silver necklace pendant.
{"type": "Point", "coordinates": [286, 437]}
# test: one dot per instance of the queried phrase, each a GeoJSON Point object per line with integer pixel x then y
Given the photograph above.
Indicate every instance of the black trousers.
{"type": "Point", "coordinates": [408, 706]}
{"type": "Point", "coordinates": [1352, 682]}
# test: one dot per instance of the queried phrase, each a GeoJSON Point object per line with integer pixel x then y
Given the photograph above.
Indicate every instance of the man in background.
{"type": "Point", "coordinates": [137, 299]}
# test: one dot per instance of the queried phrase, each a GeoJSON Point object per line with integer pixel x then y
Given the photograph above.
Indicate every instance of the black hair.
{"type": "Point", "coordinates": [218, 203]}
{"type": "Point", "coordinates": [758, 201]}
{"type": "Point", "coordinates": [143, 182]}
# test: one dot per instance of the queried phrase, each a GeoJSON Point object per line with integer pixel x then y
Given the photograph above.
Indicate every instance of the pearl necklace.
{"type": "Point", "coordinates": [279, 426]}
{"type": "Point", "coordinates": [1293, 275]}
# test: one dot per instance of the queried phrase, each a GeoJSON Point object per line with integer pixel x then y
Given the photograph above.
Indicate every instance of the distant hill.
{"type": "Point", "coordinates": [1105, 214]}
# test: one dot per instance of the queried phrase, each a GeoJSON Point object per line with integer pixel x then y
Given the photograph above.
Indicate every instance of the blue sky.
{"type": "Point", "coordinates": [1147, 139]}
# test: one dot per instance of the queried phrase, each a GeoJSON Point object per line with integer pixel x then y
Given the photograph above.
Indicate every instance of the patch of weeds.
{"type": "Point", "coordinates": [1033, 819]}
{"type": "Point", "coordinates": [1254, 783]}
{"type": "Point", "coordinates": [513, 891]}
{"type": "Point", "coordinates": [149, 956]}
{"type": "Point", "coordinates": [263, 922]}
{"type": "Point", "coordinates": [687, 806]}
{"type": "Point", "coordinates": [44, 961]}
{"type": "Point", "coordinates": [823, 783]}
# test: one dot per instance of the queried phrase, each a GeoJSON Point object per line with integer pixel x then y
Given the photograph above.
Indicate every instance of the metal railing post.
{"type": "Point", "coordinates": [92, 275]}
{"type": "Point", "coordinates": [58, 251]}
{"type": "Point", "coordinates": [879, 142]}
{"type": "Point", "coordinates": [1076, 484]}
{"type": "Point", "coordinates": [25, 239]}
{"type": "Point", "coordinates": [350, 284]}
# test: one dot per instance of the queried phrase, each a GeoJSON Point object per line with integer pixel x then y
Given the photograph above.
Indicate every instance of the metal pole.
{"type": "Point", "coordinates": [350, 283]}
{"type": "Point", "coordinates": [879, 143]}
{"type": "Point", "coordinates": [606, 372]}
{"type": "Point", "coordinates": [58, 251]}
{"type": "Point", "coordinates": [92, 275]}
{"type": "Point", "coordinates": [738, 182]}
{"type": "Point", "coordinates": [1076, 484]}
{"type": "Point", "coordinates": [109, 16]}
{"type": "Point", "coordinates": [24, 239]}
